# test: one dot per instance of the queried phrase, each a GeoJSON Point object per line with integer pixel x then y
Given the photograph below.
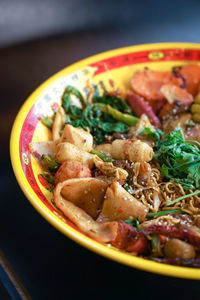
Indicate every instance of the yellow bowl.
{"type": "Point", "coordinates": [117, 65]}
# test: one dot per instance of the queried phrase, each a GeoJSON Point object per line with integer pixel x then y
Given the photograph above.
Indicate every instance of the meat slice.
{"type": "Point", "coordinates": [191, 73]}
{"type": "Point", "coordinates": [148, 83]}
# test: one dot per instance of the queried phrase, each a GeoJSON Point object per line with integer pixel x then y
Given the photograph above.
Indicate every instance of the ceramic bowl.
{"type": "Point", "coordinates": [112, 67]}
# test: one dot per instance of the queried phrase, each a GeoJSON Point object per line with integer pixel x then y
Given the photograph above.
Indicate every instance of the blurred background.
{"type": "Point", "coordinates": [135, 21]}
{"type": "Point", "coordinates": [37, 39]}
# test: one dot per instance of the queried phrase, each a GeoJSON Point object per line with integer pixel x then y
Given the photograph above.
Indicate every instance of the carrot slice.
{"type": "Point", "coordinates": [148, 83]}
{"type": "Point", "coordinates": [175, 94]}
{"type": "Point", "coordinates": [191, 73]}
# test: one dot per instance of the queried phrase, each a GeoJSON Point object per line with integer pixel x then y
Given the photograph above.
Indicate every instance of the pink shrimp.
{"type": "Point", "coordinates": [72, 169]}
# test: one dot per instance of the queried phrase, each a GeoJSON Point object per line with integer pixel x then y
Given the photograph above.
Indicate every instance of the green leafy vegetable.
{"type": "Point", "coordinates": [156, 135]}
{"type": "Point", "coordinates": [50, 162]}
{"type": "Point", "coordinates": [70, 90]}
{"type": "Point", "coordinates": [164, 212]}
{"type": "Point", "coordinates": [100, 123]}
{"type": "Point", "coordinates": [135, 223]}
{"type": "Point", "coordinates": [113, 127]}
{"type": "Point", "coordinates": [107, 114]}
{"type": "Point", "coordinates": [102, 155]}
{"type": "Point", "coordinates": [114, 101]}
{"type": "Point", "coordinates": [70, 108]}
{"type": "Point", "coordinates": [179, 160]}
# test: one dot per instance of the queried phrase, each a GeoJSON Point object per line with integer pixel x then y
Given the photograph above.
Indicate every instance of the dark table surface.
{"type": "Point", "coordinates": [50, 265]}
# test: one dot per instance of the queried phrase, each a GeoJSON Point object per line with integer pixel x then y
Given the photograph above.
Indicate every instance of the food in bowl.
{"type": "Point", "coordinates": [125, 167]}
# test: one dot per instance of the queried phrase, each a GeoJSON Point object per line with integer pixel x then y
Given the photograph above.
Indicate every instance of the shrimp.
{"type": "Point", "coordinates": [148, 83]}
{"type": "Point", "coordinates": [72, 169]}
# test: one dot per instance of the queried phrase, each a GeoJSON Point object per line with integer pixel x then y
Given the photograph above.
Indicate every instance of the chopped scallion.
{"type": "Point", "coordinates": [183, 197]}
{"type": "Point", "coordinates": [164, 212]}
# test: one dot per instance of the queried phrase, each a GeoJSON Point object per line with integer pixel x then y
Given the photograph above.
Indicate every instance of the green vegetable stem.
{"type": "Point", "coordinates": [47, 121]}
{"type": "Point", "coordinates": [155, 243]}
{"type": "Point", "coordinates": [101, 155]}
{"type": "Point", "coordinates": [48, 177]}
{"type": "Point", "coordinates": [135, 223]}
{"type": "Point", "coordinates": [66, 98]}
{"type": "Point", "coordinates": [117, 115]}
{"type": "Point", "coordinates": [114, 101]}
{"type": "Point", "coordinates": [50, 162]}
{"type": "Point", "coordinates": [107, 114]}
{"type": "Point", "coordinates": [164, 212]}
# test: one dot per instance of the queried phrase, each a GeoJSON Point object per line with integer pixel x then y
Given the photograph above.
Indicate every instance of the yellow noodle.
{"type": "Point", "coordinates": [166, 221]}
{"type": "Point", "coordinates": [168, 191]}
{"type": "Point", "coordinates": [197, 220]}
{"type": "Point", "coordinates": [156, 174]}
{"type": "Point", "coordinates": [146, 196]}
{"type": "Point", "coordinates": [171, 191]}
